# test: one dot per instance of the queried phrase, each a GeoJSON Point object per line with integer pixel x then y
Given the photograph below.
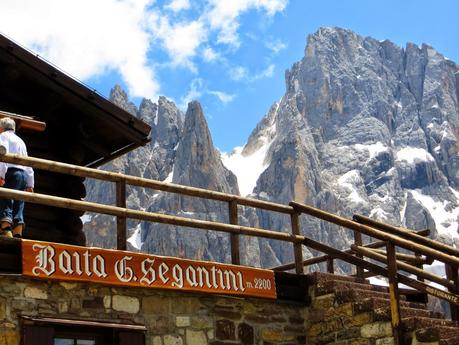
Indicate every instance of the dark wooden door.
{"type": "Point", "coordinates": [36, 335]}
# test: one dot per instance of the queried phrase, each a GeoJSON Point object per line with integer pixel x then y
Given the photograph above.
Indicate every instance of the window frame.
{"type": "Point", "coordinates": [46, 330]}
{"type": "Point", "coordinates": [72, 333]}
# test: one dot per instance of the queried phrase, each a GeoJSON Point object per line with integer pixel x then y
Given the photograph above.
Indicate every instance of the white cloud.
{"type": "Point", "coordinates": [195, 92]}
{"type": "Point", "coordinates": [224, 15]}
{"type": "Point", "coordinates": [178, 5]}
{"type": "Point", "coordinates": [198, 89]}
{"type": "Point", "coordinates": [180, 40]}
{"type": "Point", "coordinates": [91, 38]}
{"type": "Point", "coordinates": [240, 73]}
{"type": "Point", "coordinates": [266, 73]}
{"type": "Point", "coordinates": [86, 38]}
{"type": "Point", "coordinates": [276, 46]}
{"type": "Point", "coordinates": [183, 40]}
{"type": "Point", "coordinates": [222, 96]}
{"type": "Point", "coordinates": [210, 55]}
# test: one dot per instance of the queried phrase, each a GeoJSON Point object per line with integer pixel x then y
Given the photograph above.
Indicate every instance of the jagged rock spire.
{"type": "Point", "coordinates": [198, 163]}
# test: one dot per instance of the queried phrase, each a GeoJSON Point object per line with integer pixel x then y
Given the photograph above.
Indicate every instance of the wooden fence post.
{"type": "Point", "coordinates": [358, 242]}
{"type": "Point", "coordinates": [235, 251]}
{"type": "Point", "coordinates": [121, 228]}
{"type": "Point", "coordinates": [452, 274]}
{"type": "Point", "coordinates": [297, 247]}
{"type": "Point", "coordinates": [330, 266]}
{"type": "Point", "coordinates": [394, 294]}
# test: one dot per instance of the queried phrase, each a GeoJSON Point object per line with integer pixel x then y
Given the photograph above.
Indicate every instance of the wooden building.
{"type": "Point", "coordinates": [82, 128]}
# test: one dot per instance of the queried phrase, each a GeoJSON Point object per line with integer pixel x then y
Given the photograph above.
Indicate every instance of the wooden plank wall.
{"type": "Point", "coordinates": [52, 223]}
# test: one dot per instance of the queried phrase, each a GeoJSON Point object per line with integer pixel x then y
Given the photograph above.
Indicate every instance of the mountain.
{"type": "Point", "coordinates": [153, 161]}
{"type": "Point", "coordinates": [197, 164]}
{"type": "Point", "coordinates": [365, 126]}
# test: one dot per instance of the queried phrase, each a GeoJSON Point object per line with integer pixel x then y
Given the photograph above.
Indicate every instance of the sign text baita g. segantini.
{"type": "Point", "coordinates": [72, 263]}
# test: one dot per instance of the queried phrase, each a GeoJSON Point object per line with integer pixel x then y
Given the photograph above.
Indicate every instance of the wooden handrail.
{"type": "Point", "coordinates": [404, 266]}
{"type": "Point", "coordinates": [395, 238]}
{"type": "Point", "coordinates": [367, 230]}
{"type": "Point", "coordinates": [75, 170]}
{"type": "Point", "coordinates": [324, 258]}
{"type": "Point", "coordinates": [147, 216]}
{"type": "Point", "coordinates": [408, 235]}
{"type": "Point", "coordinates": [411, 259]}
{"type": "Point", "coordinates": [378, 270]}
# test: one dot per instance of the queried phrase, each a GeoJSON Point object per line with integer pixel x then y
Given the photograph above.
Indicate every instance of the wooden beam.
{"type": "Point", "coordinates": [297, 247]}
{"type": "Point", "coordinates": [24, 122]}
{"type": "Point", "coordinates": [407, 235]}
{"type": "Point", "coordinates": [370, 253]}
{"type": "Point", "coordinates": [234, 238]}
{"type": "Point", "coordinates": [323, 258]}
{"type": "Point", "coordinates": [121, 228]}
{"type": "Point", "coordinates": [77, 170]}
{"type": "Point", "coordinates": [84, 323]}
{"type": "Point", "coordinates": [367, 230]}
{"type": "Point", "coordinates": [147, 216]}
{"type": "Point", "coordinates": [394, 294]}
{"type": "Point", "coordinates": [412, 259]}
{"type": "Point", "coordinates": [358, 242]}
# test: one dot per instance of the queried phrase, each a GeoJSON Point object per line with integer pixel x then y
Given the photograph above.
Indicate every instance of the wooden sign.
{"type": "Point", "coordinates": [73, 263]}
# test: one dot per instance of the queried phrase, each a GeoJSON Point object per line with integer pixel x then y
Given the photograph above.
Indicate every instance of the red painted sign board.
{"type": "Point", "coordinates": [55, 261]}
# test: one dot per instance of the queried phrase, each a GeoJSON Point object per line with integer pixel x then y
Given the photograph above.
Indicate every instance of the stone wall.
{"type": "Point", "coordinates": [171, 318]}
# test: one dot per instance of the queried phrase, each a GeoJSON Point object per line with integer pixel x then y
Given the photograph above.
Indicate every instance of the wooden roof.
{"type": "Point", "coordinates": [82, 126]}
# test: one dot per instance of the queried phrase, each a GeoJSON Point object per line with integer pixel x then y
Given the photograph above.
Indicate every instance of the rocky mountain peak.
{"type": "Point", "coordinates": [379, 127]}
{"type": "Point", "coordinates": [198, 163]}
{"type": "Point", "coordinates": [120, 98]}
{"type": "Point", "coordinates": [263, 133]}
{"type": "Point", "coordinates": [167, 124]}
{"type": "Point", "coordinates": [147, 111]}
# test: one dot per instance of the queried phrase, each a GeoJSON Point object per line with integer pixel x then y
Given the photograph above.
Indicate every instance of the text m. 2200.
{"type": "Point", "coordinates": [262, 284]}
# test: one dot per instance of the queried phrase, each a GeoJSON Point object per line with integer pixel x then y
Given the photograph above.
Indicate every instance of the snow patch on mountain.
{"type": "Point", "coordinates": [169, 177]}
{"type": "Point", "coordinates": [412, 154]}
{"type": "Point", "coordinates": [373, 149]}
{"type": "Point", "coordinates": [247, 168]}
{"type": "Point", "coordinates": [379, 213]}
{"type": "Point", "coordinates": [349, 182]}
{"type": "Point", "coordinates": [444, 216]}
{"type": "Point", "coordinates": [135, 239]}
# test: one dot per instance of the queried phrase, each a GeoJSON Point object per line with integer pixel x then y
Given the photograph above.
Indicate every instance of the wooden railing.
{"type": "Point", "coordinates": [424, 249]}
{"type": "Point", "coordinates": [121, 213]}
{"type": "Point", "coordinates": [395, 237]}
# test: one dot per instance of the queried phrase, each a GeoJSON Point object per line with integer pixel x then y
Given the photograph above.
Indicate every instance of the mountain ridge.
{"type": "Point", "coordinates": [365, 126]}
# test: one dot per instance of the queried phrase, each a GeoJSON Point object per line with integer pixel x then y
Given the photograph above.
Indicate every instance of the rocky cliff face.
{"type": "Point", "coordinates": [364, 127]}
{"type": "Point", "coordinates": [153, 161]}
{"type": "Point", "coordinates": [198, 164]}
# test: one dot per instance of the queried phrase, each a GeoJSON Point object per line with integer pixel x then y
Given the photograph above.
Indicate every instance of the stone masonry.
{"type": "Point", "coordinates": [342, 312]}
{"type": "Point", "coordinates": [171, 318]}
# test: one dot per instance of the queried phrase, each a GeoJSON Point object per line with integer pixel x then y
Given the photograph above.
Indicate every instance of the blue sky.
{"type": "Point", "coordinates": [231, 55]}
